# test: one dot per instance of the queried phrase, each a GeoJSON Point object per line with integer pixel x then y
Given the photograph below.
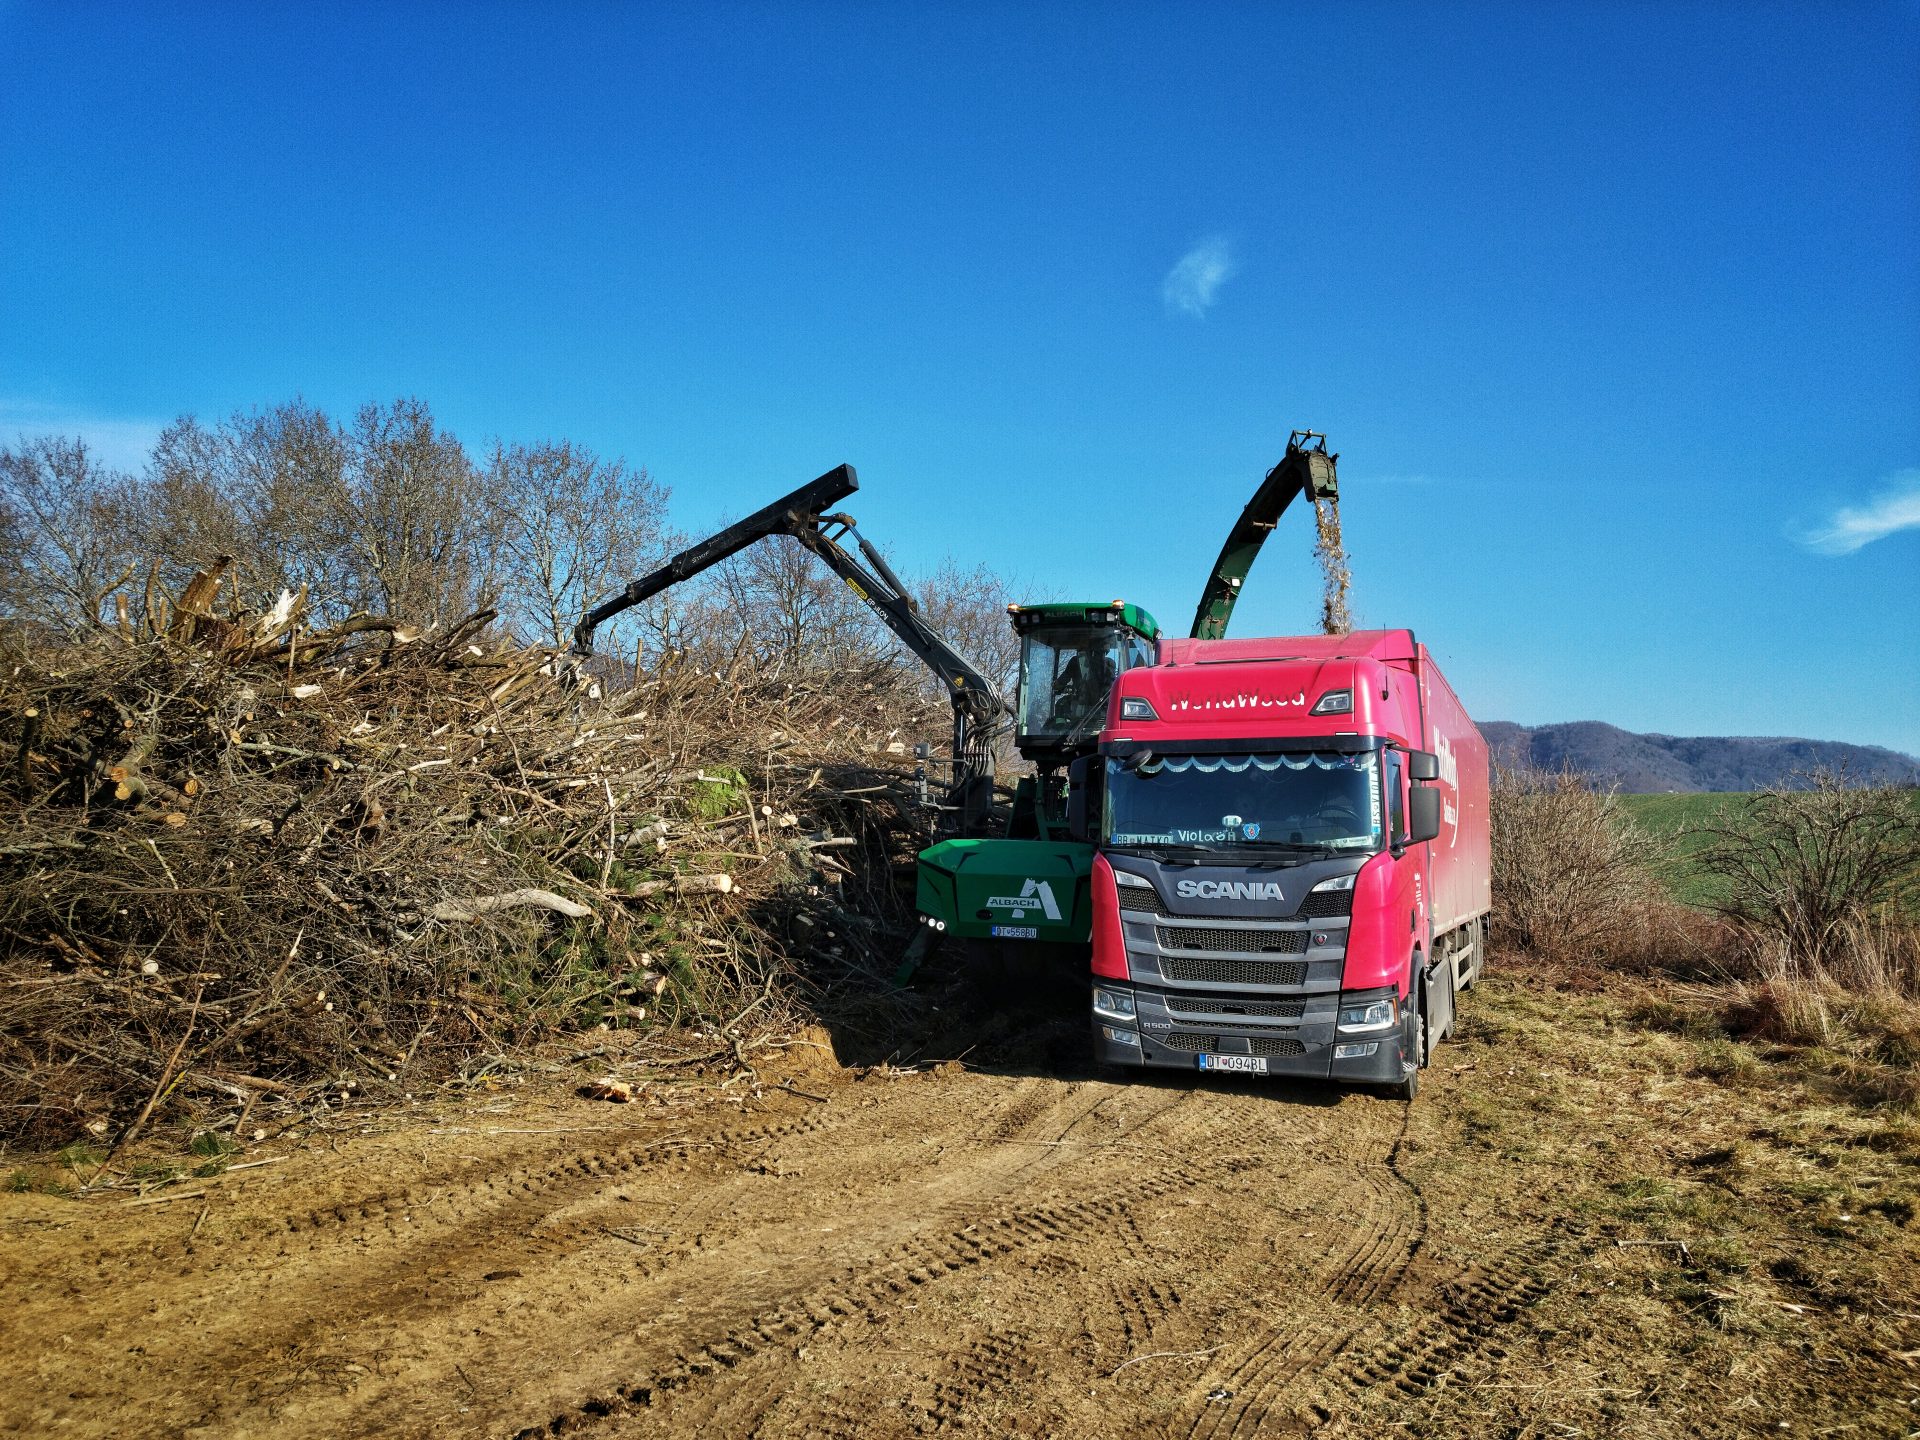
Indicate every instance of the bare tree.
{"type": "Point", "coordinates": [65, 542]}
{"type": "Point", "coordinates": [572, 528]}
{"type": "Point", "coordinates": [415, 516]}
{"type": "Point", "coordinates": [780, 603]}
{"type": "Point", "coordinates": [969, 609]}
{"type": "Point", "coordinates": [264, 487]}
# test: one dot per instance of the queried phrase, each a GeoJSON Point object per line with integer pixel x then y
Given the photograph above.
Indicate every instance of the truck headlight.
{"type": "Point", "coordinates": [1112, 1004]}
{"type": "Point", "coordinates": [1375, 1015]}
{"type": "Point", "coordinates": [1338, 882]}
{"type": "Point", "coordinates": [1120, 1037]}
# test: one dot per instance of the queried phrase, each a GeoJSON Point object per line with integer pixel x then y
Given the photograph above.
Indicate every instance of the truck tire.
{"type": "Point", "coordinates": [1408, 1085]}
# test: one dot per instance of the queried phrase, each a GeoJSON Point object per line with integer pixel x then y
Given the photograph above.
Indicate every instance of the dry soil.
{"type": "Point", "coordinates": [1574, 1230]}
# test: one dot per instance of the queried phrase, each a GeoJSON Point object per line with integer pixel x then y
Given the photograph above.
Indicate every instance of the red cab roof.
{"type": "Point", "coordinates": [1355, 645]}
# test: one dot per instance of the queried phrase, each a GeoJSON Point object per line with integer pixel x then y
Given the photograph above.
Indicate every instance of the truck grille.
{"type": "Point", "coordinates": [1275, 1045]}
{"type": "Point", "coordinates": [1145, 901]}
{"type": "Point", "coordinates": [1322, 904]}
{"type": "Point", "coordinates": [1259, 1045]}
{"type": "Point", "coordinates": [1319, 905]}
{"type": "Point", "coordinates": [1235, 972]}
{"type": "Point", "coordinates": [1278, 1009]}
{"type": "Point", "coordinates": [1239, 942]}
{"type": "Point", "coordinates": [1179, 1040]}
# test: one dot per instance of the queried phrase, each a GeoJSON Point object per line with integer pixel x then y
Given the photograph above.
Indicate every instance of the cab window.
{"type": "Point", "coordinates": [1066, 673]}
{"type": "Point", "coordinates": [1396, 798]}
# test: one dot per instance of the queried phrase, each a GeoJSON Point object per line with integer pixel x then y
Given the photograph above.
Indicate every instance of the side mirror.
{"type": "Point", "coordinates": [1423, 765]}
{"type": "Point", "coordinates": [1423, 815]}
{"type": "Point", "coordinates": [1080, 783]}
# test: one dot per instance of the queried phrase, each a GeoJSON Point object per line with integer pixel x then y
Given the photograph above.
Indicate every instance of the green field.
{"type": "Point", "coordinates": [1677, 822]}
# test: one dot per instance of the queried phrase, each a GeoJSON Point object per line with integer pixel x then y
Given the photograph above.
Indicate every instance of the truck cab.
{"type": "Point", "coordinates": [1292, 872]}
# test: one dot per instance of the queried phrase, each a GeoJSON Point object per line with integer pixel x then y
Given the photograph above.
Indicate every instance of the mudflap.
{"type": "Point", "coordinates": [1437, 1003]}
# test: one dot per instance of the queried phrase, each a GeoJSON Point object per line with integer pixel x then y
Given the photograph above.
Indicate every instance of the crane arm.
{"type": "Point", "coordinates": [786, 516]}
{"type": "Point", "coordinates": [980, 712]}
{"type": "Point", "coordinates": [967, 686]}
{"type": "Point", "coordinates": [1306, 467]}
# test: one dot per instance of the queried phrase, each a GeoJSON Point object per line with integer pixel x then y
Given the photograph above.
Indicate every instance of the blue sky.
{"type": "Point", "coordinates": [1613, 311]}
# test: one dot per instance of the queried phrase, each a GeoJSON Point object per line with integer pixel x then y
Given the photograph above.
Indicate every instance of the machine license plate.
{"type": "Point", "coordinates": [1017, 932]}
{"type": "Point", "coordinates": [1244, 1064]}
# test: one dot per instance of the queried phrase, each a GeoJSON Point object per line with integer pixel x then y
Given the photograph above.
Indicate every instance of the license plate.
{"type": "Point", "coordinates": [1244, 1064]}
{"type": "Point", "coordinates": [1017, 932]}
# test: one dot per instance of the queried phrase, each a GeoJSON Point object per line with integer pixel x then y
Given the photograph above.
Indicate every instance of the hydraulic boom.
{"type": "Point", "coordinates": [980, 712]}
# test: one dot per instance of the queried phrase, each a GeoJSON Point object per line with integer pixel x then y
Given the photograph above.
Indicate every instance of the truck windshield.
{"type": "Point", "coordinates": [1066, 673]}
{"type": "Point", "coordinates": [1329, 801]}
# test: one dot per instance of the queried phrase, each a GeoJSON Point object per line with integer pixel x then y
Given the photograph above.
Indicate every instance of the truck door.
{"type": "Point", "coordinates": [1435, 983]}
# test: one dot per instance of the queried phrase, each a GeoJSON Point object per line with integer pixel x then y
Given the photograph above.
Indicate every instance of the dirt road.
{"type": "Point", "coordinates": [993, 1253]}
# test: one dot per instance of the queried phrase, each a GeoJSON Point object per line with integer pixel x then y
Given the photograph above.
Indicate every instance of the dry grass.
{"type": "Point", "coordinates": [1575, 886]}
{"type": "Point", "coordinates": [1739, 1222]}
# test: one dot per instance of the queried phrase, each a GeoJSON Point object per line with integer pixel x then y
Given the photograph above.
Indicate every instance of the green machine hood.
{"type": "Point", "coordinates": [1008, 889]}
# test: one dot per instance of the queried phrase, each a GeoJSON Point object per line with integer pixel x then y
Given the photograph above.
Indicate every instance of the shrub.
{"type": "Point", "coordinates": [1571, 873]}
{"type": "Point", "coordinates": [1818, 874]}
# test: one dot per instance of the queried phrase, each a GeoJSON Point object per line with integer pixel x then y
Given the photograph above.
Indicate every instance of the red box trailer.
{"type": "Point", "coordinates": [1293, 873]}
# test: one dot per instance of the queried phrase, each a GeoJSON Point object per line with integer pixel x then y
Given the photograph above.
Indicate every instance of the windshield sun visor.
{"type": "Point", "coordinates": [1288, 802]}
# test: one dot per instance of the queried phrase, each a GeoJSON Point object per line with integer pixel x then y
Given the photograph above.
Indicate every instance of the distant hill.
{"type": "Point", "coordinates": [1648, 764]}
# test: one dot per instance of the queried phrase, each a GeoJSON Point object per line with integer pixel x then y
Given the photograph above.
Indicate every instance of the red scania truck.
{"type": "Point", "coordinates": [1293, 873]}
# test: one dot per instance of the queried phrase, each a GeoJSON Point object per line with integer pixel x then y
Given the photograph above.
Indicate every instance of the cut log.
{"type": "Point", "coordinates": [196, 601]}
{"type": "Point", "coordinates": [684, 885]}
{"type": "Point", "coordinates": [512, 900]}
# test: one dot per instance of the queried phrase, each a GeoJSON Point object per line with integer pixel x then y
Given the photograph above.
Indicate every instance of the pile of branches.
{"type": "Point", "coordinates": [246, 860]}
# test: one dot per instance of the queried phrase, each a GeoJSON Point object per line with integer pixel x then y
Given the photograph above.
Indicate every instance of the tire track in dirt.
{"type": "Point", "coordinates": [1043, 1114]}
{"type": "Point", "coordinates": [982, 1369]}
{"type": "Point", "coordinates": [278, 1283]}
{"type": "Point", "coordinates": [381, 1256]}
{"type": "Point", "coordinates": [1459, 1337]}
{"type": "Point", "coordinates": [1142, 1305]}
{"type": "Point", "coordinates": [475, 1191]}
{"type": "Point", "coordinates": [672, 1281]}
{"type": "Point", "coordinates": [574, 1291]}
{"type": "Point", "coordinates": [1392, 1225]}
{"type": "Point", "coordinates": [1326, 1368]}
{"type": "Point", "coordinates": [866, 1296]}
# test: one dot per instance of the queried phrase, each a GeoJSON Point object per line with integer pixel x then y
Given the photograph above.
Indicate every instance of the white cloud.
{"type": "Point", "coordinates": [1895, 508]}
{"type": "Point", "coordinates": [1197, 276]}
{"type": "Point", "coordinates": [117, 441]}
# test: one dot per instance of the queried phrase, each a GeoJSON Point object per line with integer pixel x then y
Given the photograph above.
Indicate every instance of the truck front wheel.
{"type": "Point", "coordinates": [1414, 1048]}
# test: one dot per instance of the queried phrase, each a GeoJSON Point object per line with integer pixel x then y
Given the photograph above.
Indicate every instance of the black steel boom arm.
{"type": "Point", "coordinates": [980, 712]}
{"type": "Point", "coordinates": [786, 516]}
{"type": "Point", "coordinates": [968, 687]}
